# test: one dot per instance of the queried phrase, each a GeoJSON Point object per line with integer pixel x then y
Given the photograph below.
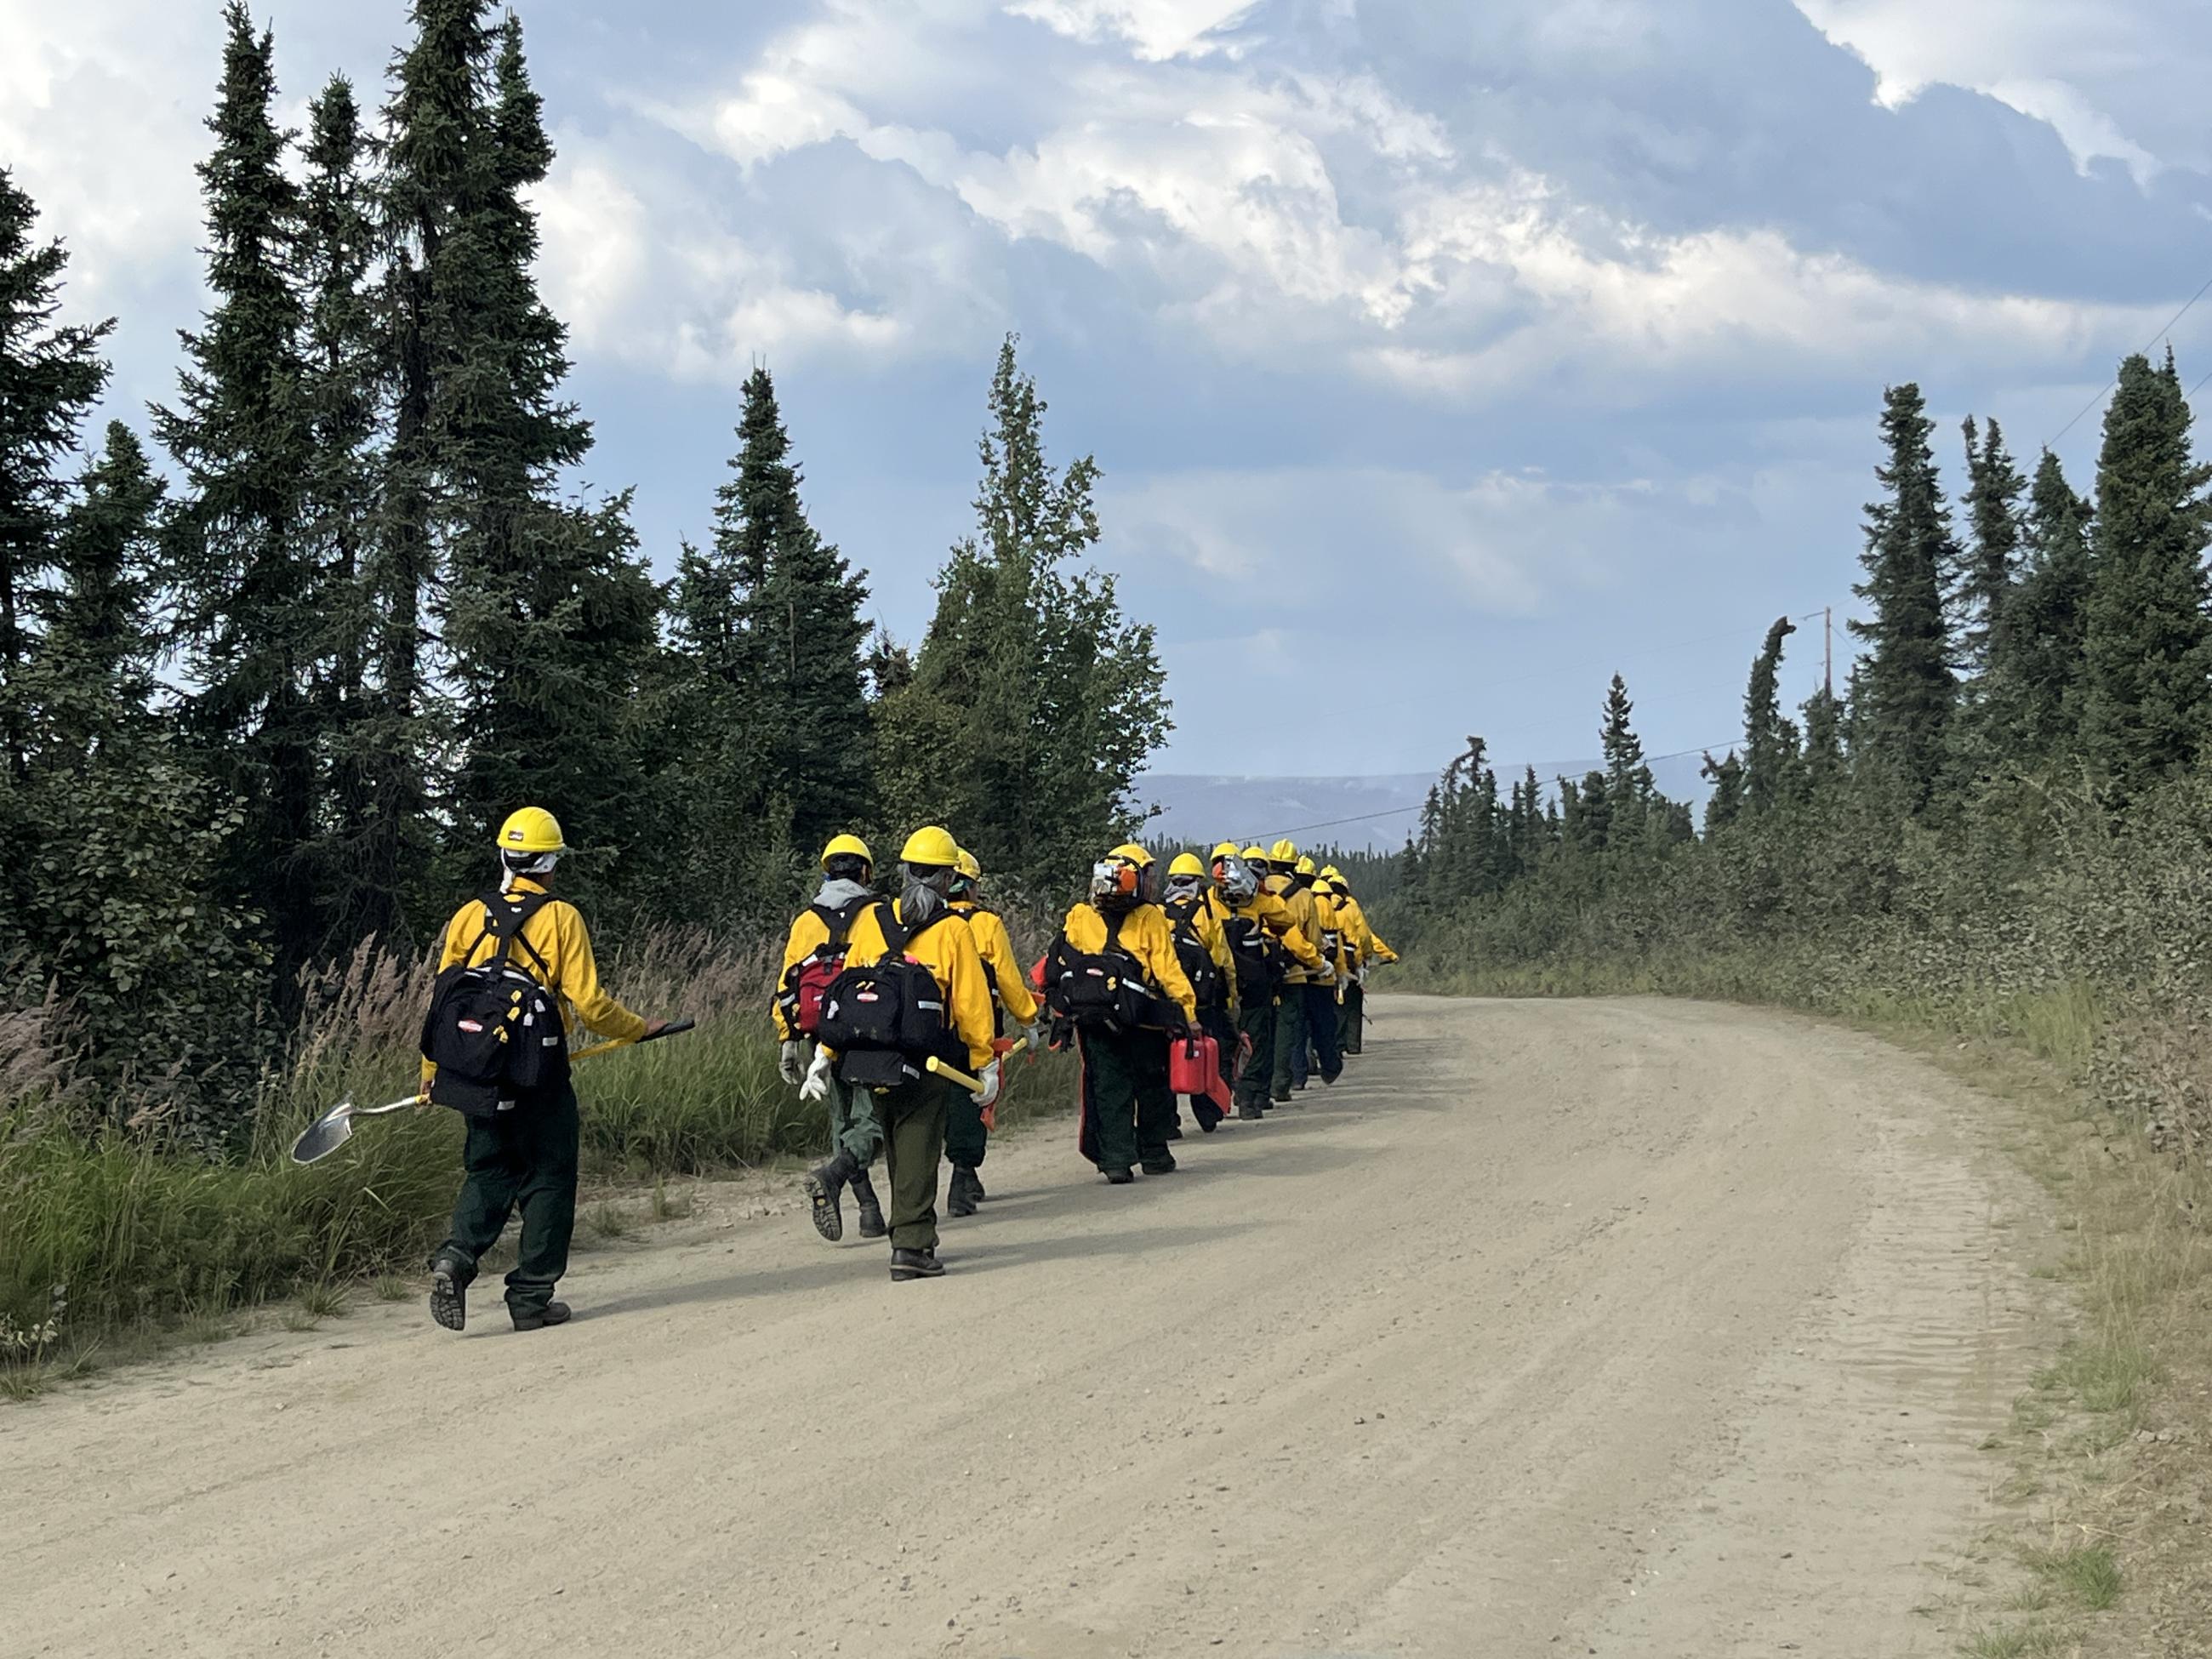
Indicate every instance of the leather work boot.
{"type": "Point", "coordinates": [825, 1184]}
{"type": "Point", "coordinates": [960, 1192]}
{"type": "Point", "coordinates": [870, 1216]}
{"type": "Point", "coordinates": [449, 1290]}
{"type": "Point", "coordinates": [553, 1313]}
{"type": "Point", "coordinates": [915, 1264]}
{"type": "Point", "coordinates": [1249, 1113]}
{"type": "Point", "coordinates": [1159, 1166]}
{"type": "Point", "coordinates": [1119, 1177]}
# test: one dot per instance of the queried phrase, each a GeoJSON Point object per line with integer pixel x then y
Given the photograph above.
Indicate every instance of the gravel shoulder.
{"type": "Point", "coordinates": [1624, 1326]}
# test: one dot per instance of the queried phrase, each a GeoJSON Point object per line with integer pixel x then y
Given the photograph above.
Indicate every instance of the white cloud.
{"type": "Point", "coordinates": [1156, 29]}
{"type": "Point", "coordinates": [2079, 65]}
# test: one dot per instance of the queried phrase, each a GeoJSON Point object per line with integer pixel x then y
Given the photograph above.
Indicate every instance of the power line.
{"type": "Point", "coordinates": [2115, 381]}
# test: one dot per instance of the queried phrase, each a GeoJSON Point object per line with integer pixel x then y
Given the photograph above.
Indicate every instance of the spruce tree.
{"type": "Point", "coordinates": [1770, 739]}
{"type": "Point", "coordinates": [1824, 759]}
{"type": "Point", "coordinates": [2048, 616]}
{"type": "Point", "coordinates": [246, 588]}
{"type": "Point", "coordinates": [1990, 571]}
{"type": "Point", "coordinates": [1035, 701]}
{"type": "Point", "coordinates": [1628, 784]}
{"type": "Point", "coordinates": [1725, 804]}
{"type": "Point", "coordinates": [93, 679]}
{"type": "Point", "coordinates": [51, 375]}
{"type": "Point", "coordinates": [2146, 647]}
{"type": "Point", "coordinates": [1906, 683]}
{"type": "Point", "coordinates": [342, 402]}
{"type": "Point", "coordinates": [801, 622]}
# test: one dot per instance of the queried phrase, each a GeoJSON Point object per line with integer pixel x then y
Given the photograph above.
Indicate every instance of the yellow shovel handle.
{"type": "Point", "coordinates": [974, 1085]}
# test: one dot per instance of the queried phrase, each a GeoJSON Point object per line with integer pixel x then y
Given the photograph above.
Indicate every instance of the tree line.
{"type": "Point", "coordinates": [2027, 645]}
{"type": "Point", "coordinates": [268, 680]}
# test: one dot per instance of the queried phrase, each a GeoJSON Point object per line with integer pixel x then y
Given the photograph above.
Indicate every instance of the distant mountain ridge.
{"type": "Point", "coordinates": [1377, 813]}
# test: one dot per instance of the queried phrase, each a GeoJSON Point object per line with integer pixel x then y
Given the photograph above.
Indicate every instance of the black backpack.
{"type": "Point", "coordinates": [887, 1019]}
{"type": "Point", "coordinates": [492, 1031]}
{"type": "Point", "coordinates": [1105, 991]}
{"type": "Point", "coordinates": [1198, 966]}
{"type": "Point", "coordinates": [1258, 956]}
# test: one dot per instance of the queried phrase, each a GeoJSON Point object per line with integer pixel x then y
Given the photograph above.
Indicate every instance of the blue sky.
{"type": "Point", "coordinates": [1440, 357]}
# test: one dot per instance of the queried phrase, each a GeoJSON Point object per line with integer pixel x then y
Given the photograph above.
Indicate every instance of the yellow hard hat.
{"type": "Point", "coordinates": [1186, 863]}
{"type": "Point", "coordinates": [933, 846]}
{"type": "Point", "coordinates": [1256, 855]}
{"type": "Point", "coordinates": [842, 846]}
{"type": "Point", "coordinates": [1283, 852]}
{"type": "Point", "coordinates": [1332, 874]}
{"type": "Point", "coordinates": [1306, 867]}
{"type": "Point", "coordinates": [1323, 886]}
{"type": "Point", "coordinates": [1227, 850]}
{"type": "Point", "coordinates": [533, 830]}
{"type": "Point", "coordinates": [967, 865]}
{"type": "Point", "coordinates": [1129, 853]}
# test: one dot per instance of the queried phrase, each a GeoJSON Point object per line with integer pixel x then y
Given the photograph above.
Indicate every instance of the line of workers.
{"type": "Point", "coordinates": [896, 1014]}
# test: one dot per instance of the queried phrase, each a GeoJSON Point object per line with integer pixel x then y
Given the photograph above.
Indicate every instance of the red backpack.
{"type": "Point", "coordinates": [810, 978]}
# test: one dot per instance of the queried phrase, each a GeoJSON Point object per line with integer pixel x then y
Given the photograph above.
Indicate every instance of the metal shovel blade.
{"type": "Point", "coordinates": [326, 1134]}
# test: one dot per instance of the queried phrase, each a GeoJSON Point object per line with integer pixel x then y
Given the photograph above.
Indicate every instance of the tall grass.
{"type": "Point", "coordinates": [134, 1229]}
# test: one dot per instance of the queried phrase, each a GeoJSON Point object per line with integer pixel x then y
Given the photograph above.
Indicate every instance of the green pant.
{"type": "Point", "coordinates": [1351, 1029]}
{"type": "Point", "coordinates": [1256, 1024]}
{"type": "Point", "coordinates": [1128, 1108]}
{"type": "Point", "coordinates": [966, 1140]}
{"type": "Point", "coordinates": [912, 1117]}
{"type": "Point", "coordinates": [1289, 1037]}
{"type": "Point", "coordinates": [525, 1157]}
{"type": "Point", "coordinates": [852, 1126]}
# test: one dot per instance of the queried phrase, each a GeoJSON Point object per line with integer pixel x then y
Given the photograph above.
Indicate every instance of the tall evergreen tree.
{"type": "Point", "coordinates": [2048, 616]}
{"type": "Point", "coordinates": [1989, 570]}
{"type": "Point", "coordinates": [1725, 804]}
{"type": "Point", "coordinates": [51, 375]}
{"type": "Point", "coordinates": [1035, 701]}
{"type": "Point", "coordinates": [1906, 682]}
{"type": "Point", "coordinates": [246, 586]}
{"type": "Point", "coordinates": [1770, 739]}
{"type": "Point", "coordinates": [93, 680]}
{"type": "Point", "coordinates": [806, 703]}
{"type": "Point", "coordinates": [342, 402]}
{"type": "Point", "coordinates": [2147, 646]}
{"type": "Point", "coordinates": [1628, 784]}
{"type": "Point", "coordinates": [1825, 761]}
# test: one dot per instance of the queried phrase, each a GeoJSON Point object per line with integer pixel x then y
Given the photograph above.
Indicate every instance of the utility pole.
{"type": "Point", "coordinates": [1828, 648]}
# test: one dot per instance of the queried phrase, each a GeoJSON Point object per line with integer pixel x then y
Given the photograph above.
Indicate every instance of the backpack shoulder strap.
{"type": "Point", "coordinates": [505, 919]}
{"type": "Point", "coordinates": [897, 935]}
{"type": "Point", "coordinates": [840, 920]}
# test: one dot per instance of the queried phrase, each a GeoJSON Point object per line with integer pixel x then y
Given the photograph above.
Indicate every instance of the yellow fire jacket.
{"type": "Point", "coordinates": [996, 947]}
{"type": "Point", "coordinates": [561, 942]}
{"type": "Point", "coordinates": [1145, 935]}
{"type": "Point", "coordinates": [1300, 903]}
{"type": "Point", "coordinates": [1271, 913]}
{"type": "Point", "coordinates": [809, 932]}
{"type": "Point", "coordinates": [948, 950]}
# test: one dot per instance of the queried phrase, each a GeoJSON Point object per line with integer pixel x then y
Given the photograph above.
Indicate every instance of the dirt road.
{"type": "Point", "coordinates": [1619, 1327]}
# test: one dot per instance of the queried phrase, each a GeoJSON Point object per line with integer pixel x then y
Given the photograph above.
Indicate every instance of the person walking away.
{"type": "Point", "coordinates": [1324, 1012]}
{"type": "Point", "coordinates": [1112, 977]}
{"type": "Point", "coordinates": [967, 1131]}
{"type": "Point", "coordinates": [913, 990]}
{"type": "Point", "coordinates": [1261, 956]}
{"type": "Point", "coordinates": [1291, 1036]}
{"type": "Point", "coordinates": [1351, 1029]}
{"type": "Point", "coordinates": [813, 956]}
{"type": "Point", "coordinates": [1202, 949]}
{"type": "Point", "coordinates": [521, 1151]}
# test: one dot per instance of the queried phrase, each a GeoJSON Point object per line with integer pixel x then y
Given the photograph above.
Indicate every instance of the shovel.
{"type": "Point", "coordinates": [335, 1128]}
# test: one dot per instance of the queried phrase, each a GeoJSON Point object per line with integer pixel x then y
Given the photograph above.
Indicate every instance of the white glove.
{"type": "Point", "coordinates": [1038, 1036]}
{"type": "Point", "coordinates": [817, 1086]}
{"type": "Point", "coordinates": [792, 1062]}
{"type": "Point", "coordinates": [989, 1079]}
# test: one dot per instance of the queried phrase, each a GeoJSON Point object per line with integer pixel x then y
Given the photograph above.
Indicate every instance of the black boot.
{"type": "Point", "coordinates": [1174, 1129]}
{"type": "Point", "coordinates": [1120, 1178]}
{"type": "Point", "coordinates": [960, 1192]}
{"type": "Point", "coordinates": [1249, 1113]}
{"type": "Point", "coordinates": [871, 1211]}
{"type": "Point", "coordinates": [537, 1319]}
{"type": "Point", "coordinates": [915, 1264]}
{"type": "Point", "coordinates": [1208, 1115]}
{"type": "Point", "coordinates": [449, 1290]}
{"type": "Point", "coordinates": [824, 1186]}
{"type": "Point", "coordinates": [1159, 1166]}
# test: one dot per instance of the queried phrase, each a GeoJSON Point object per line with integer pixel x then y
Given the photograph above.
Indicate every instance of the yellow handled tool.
{"type": "Point", "coordinates": [974, 1085]}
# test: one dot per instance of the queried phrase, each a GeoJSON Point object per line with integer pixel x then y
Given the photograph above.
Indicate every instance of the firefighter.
{"type": "Point", "coordinates": [812, 957]}
{"type": "Point", "coordinates": [1261, 952]}
{"type": "Point", "coordinates": [967, 1134]}
{"type": "Point", "coordinates": [1112, 977]}
{"type": "Point", "coordinates": [1322, 1015]}
{"type": "Point", "coordinates": [1291, 1034]}
{"type": "Point", "coordinates": [913, 1102]}
{"type": "Point", "coordinates": [1203, 949]}
{"type": "Point", "coordinates": [524, 1155]}
{"type": "Point", "coordinates": [1359, 945]}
